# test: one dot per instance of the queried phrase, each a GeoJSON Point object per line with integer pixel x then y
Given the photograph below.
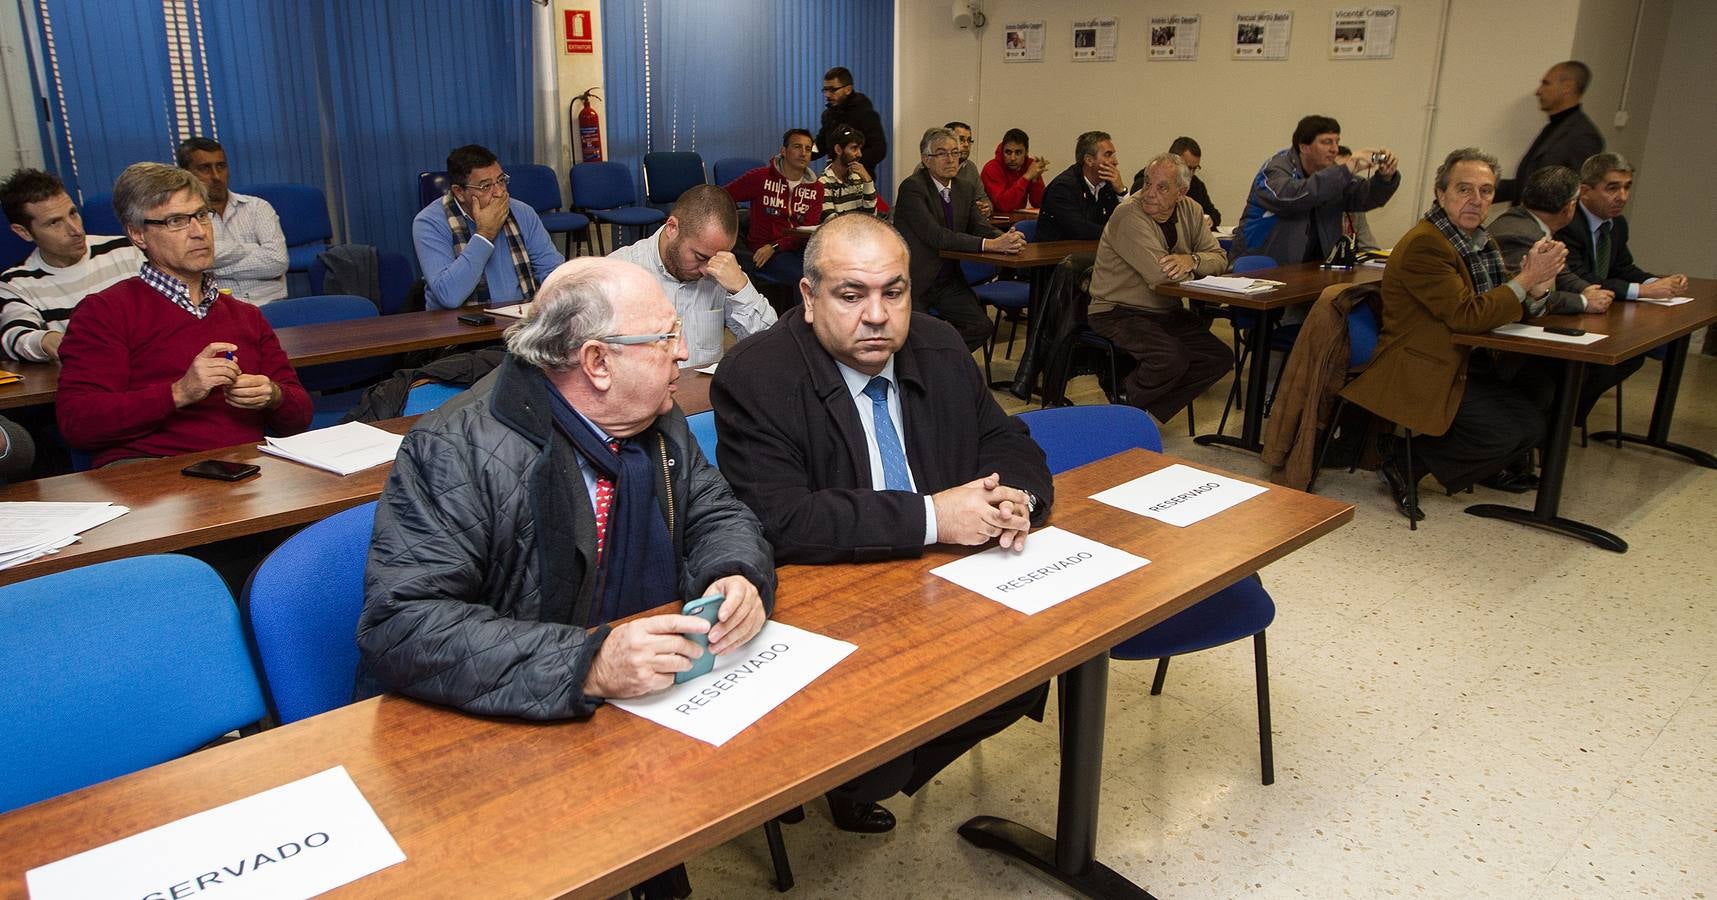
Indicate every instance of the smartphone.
{"type": "Point", "coordinates": [476, 319]}
{"type": "Point", "coordinates": [220, 470]}
{"type": "Point", "coordinates": [1558, 329]}
{"type": "Point", "coordinates": [705, 608]}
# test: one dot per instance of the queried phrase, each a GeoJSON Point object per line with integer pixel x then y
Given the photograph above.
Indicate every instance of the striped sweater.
{"type": "Point", "coordinates": [36, 298]}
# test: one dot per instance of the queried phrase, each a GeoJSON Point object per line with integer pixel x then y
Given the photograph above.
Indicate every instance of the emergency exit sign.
{"type": "Point", "coordinates": [578, 38]}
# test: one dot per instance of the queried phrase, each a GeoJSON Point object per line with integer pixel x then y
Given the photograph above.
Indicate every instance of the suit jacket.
{"type": "Point", "coordinates": [918, 217]}
{"type": "Point", "coordinates": [794, 450]}
{"type": "Point", "coordinates": [1417, 375]}
{"type": "Point", "coordinates": [1070, 212]}
{"type": "Point", "coordinates": [1201, 195]}
{"type": "Point", "coordinates": [1562, 142]}
{"type": "Point", "coordinates": [1515, 232]}
{"type": "Point", "coordinates": [1578, 272]}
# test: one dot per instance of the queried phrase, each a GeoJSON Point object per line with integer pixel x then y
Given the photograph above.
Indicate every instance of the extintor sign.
{"type": "Point", "coordinates": [578, 37]}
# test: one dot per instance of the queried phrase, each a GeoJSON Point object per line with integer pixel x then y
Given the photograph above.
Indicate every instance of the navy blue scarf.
{"type": "Point", "coordinates": [639, 569]}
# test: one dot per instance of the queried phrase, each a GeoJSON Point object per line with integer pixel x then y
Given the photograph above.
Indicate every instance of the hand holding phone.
{"type": "Point", "coordinates": [705, 608]}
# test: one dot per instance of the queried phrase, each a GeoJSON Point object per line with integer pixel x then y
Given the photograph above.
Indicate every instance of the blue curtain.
{"type": "Point", "coordinates": [727, 77]}
{"type": "Point", "coordinates": [353, 98]}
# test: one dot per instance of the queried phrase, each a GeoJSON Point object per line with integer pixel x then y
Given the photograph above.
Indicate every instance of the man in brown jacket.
{"type": "Point", "coordinates": [1156, 236]}
{"type": "Point", "coordinates": [1446, 277]}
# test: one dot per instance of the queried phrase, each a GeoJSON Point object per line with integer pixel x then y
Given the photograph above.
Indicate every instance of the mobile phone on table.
{"type": "Point", "coordinates": [705, 608]}
{"type": "Point", "coordinates": [220, 470]}
{"type": "Point", "coordinates": [1563, 329]}
{"type": "Point", "coordinates": [476, 319]}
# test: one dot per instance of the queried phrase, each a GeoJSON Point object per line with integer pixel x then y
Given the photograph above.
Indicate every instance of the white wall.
{"type": "Point", "coordinates": [1673, 214]}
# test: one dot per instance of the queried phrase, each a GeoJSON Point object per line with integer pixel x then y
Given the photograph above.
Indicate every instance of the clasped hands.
{"type": "Point", "coordinates": [981, 509]}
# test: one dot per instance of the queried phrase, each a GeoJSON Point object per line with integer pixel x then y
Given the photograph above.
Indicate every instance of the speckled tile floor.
{"type": "Point", "coordinates": [1473, 709]}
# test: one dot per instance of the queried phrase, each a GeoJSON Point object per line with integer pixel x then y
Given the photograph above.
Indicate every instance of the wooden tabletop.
{"type": "Point", "coordinates": [41, 382]}
{"type": "Point", "coordinates": [1630, 328]}
{"type": "Point", "coordinates": [1006, 220]}
{"type": "Point", "coordinates": [507, 808]}
{"type": "Point", "coordinates": [1043, 253]}
{"type": "Point", "coordinates": [1302, 283]}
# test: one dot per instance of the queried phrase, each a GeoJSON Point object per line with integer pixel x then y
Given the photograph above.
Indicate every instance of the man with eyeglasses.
{"type": "Point", "coordinates": [845, 106]}
{"type": "Point", "coordinates": [250, 249]}
{"type": "Point", "coordinates": [476, 244]}
{"type": "Point", "coordinates": [168, 362]}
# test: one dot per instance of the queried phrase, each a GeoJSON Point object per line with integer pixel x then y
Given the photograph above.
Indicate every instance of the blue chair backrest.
{"type": "Point", "coordinates": [13, 249]}
{"type": "Point", "coordinates": [1072, 436]}
{"type": "Point", "coordinates": [98, 215]}
{"type": "Point", "coordinates": [977, 273]}
{"type": "Point", "coordinates": [1252, 263]}
{"type": "Point", "coordinates": [668, 175]}
{"type": "Point", "coordinates": [328, 308]}
{"type": "Point", "coordinates": [538, 186]}
{"type": "Point", "coordinates": [703, 431]}
{"type": "Point", "coordinates": [730, 168]}
{"type": "Point", "coordinates": [430, 187]}
{"type": "Point", "coordinates": [425, 397]}
{"type": "Point", "coordinates": [1362, 331]}
{"type": "Point", "coordinates": [393, 278]}
{"type": "Point", "coordinates": [115, 667]}
{"type": "Point", "coordinates": [1027, 227]}
{"type": "Point", "coordinates": [602, 185]}
{"type": "Point", "coordinates": [304, 604]}
{"type": "Point", "coordinates": [302, 208]}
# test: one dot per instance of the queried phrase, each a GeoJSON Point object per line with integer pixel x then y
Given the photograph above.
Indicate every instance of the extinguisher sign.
{"type": "Point", "coordinates": [578, 38]}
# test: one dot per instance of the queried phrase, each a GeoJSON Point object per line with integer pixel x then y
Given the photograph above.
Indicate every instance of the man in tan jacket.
{"type": "Point", "coordinates": [1446, 277]}
{"type": "Point", "coordinates": [1157, 235]}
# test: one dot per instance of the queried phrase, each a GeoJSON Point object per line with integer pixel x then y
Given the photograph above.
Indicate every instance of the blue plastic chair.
{"type": "Point", "coordinates": [426, 397]}
{"type": "Point", "coordinates": [431, 186]}
{"type": "Point", "coordinates": [393, 278]}
{"type": "Point", "coordinates": [729, 168]}
{"type": "Point", "coordinates": [604, 192]}
{"type": "Point", "coordinates": [304, 603]}
{"type": "Point", "coordinates": [115, 667]}
{"type": "Point", "coordinates": [668, 175]}
{"type": "Point", "coordinates": [98, 215]}
{"type": "Point", "coordinates": [703, 431]}
{"type": "Point", "coordinates": [1072, 436]}
{"type": "Point", "coordinates": [1244, 320]}
{"type": "Point", "coordinates": [13, 249]}
{"type": "Point", "coordinates": [1027, 227]}
{"type": "Point", "coordinates": [303, 212]}
{"type": "Point", "coordinates": [328, 378]}
{"type": "Point", "coordinates": [539, 187]}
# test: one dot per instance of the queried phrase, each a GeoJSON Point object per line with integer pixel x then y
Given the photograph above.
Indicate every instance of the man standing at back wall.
{"type": "Point", "coordinates": [250, 249]}
{"type": "Point", "coordinates": [1568, 138]}
{"type": "Point", "coordinates": [846, 106]}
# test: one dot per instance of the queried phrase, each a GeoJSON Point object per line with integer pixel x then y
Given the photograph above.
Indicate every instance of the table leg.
{"type": "Point", "coordinates": [1257, 384]}
{"type": "Point", "coordinates": [1668, 387]}
{"type": "Point", "coordinates": [1544, 509]}
{"type": "Point", "coordinates": [1035, 276]}
{"type": "Point", "coordinates": [1071, 856]}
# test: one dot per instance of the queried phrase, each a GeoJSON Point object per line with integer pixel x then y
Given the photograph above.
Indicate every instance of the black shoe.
{"type": "Point", "coordinates": [857, 816]}
{"type": "Point", "coordinates": [1397, 482]}
{"type": "Point", "coordinates": [1512, 482]}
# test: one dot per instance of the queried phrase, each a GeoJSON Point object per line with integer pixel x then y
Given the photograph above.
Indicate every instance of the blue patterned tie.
{"type": "Point", "coordinates": [894, 474]}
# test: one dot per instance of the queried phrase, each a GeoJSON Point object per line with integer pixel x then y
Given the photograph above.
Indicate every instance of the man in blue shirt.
{"type": "Point", "coordinates": [476, 244]}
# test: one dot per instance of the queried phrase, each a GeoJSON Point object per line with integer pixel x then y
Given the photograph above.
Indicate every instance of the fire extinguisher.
{"type": "Point", "coordinates": [589, 126]}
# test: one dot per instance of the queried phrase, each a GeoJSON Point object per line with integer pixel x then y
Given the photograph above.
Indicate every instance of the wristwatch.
{"type": "Point", "coordinates": [1030, 503]}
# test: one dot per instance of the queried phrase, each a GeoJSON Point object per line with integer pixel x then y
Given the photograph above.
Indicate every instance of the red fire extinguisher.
{"type": "Point", "coordinates": [589, 126]}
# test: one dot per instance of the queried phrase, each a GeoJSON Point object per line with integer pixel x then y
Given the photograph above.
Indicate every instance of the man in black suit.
{"type": "Point", "coordinates": [860, 430]}
{"type": "Point", "coordinates": [1077, 204]}
{"type": "Point", "coordinates": [936, 211]}
{"type": "Point", "coordinates": [1568, 138]}
{"type": "Point", "coordinates": [1597, 238]}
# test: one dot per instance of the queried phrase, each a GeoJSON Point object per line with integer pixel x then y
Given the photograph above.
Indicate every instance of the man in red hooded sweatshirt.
{"type": "Point", "coordinates": [784, 195]}
{"type": "Point", "coordinates": [1014, 179]}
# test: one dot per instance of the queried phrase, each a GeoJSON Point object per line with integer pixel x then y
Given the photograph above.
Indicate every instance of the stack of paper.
{"type": "Point", "coordinates": [29, 530]}
{"type": "Point", "coordinates": [342, 449]}
{"type": "Point", "coordinates": [7, 376]}
{"type": "Point", "coordinates": [1235, 284]}
{"type": "Point", "coordinates": [1665, 301]}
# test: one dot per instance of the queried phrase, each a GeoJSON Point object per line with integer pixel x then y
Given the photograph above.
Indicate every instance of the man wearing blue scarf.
{"type": "Point", "coordinates": [559, 494]}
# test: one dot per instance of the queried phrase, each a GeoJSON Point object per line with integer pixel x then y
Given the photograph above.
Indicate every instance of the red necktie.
{"type": "Point", "coordinates": [604, 500]}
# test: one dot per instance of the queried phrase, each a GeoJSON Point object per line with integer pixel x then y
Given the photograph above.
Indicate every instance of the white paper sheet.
{"type": "Point", "coordinates": [32, 529]}
{"type": "Point", "coordinates": [341, 449]}
{"type": "Point", "coordinates": [744, 685]}
{"type": "Point", "coordinates": [511, 311]}
{"type": "Point", "coordinates": [1179, 494]}
{"type": "Point", "coordinates": [1234, 284]}
{"type": "Point", "coordinates": [1054, 566]}
{"type": "Point", "coordinates": [1664, 301]}
{"type": "Point", "coordinates": [297, 840]}
{"type": "Point", "coordinates": [1537, 332]}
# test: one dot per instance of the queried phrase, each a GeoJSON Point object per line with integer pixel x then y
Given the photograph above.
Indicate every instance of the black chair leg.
{"type": "Point", "coordinates": [1618, 420]}
{"type": "Point", "coordinates": [1162, 672]}
{"type": "Point", "coordinates": [1266, 757]}
{"type": "Point", "coordinates": [778, 856]}
{"type": "Point", "coordinates": [1326, 439]}
{"type": "Point", "coordinates": [1412, 483]}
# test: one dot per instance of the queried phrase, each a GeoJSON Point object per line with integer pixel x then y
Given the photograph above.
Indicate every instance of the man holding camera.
{"type": "Point", "coordinates": [1294, 209]}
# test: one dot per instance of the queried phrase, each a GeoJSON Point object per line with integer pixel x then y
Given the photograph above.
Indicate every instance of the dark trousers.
{"type": "Point", "coordinates": [952, 300]}
{"type": "Point", "coordinates": [1494, 426]}
{"type": "Point", "coordinates": [1538, 378]}
{"type": "Point", "coordinates": [914, 769]}
{"type": "Point", "coordinates": [1178, 356]}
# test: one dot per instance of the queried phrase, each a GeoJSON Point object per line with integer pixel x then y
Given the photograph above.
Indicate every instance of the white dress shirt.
{"type": "Point", "coordinates": [704, 306]}
{"type": "Point", "coordinates": [250, 250]}
{"type": "Point", "coordinates": [856, 382]}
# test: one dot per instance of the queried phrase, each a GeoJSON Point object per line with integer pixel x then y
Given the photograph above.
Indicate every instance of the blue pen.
{"type": "Point", "coordinates": [231, 356]}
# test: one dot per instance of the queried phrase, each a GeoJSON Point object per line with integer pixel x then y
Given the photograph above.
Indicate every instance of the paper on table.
{"type": "Point", "coordinates": [512, 311]}
{"type": "Point", "coordinates": [709, 369]}
{"type": "Point", "coordinates": [1054, 566]}
{"type": "Point", "coordinates": [30, 529]}
{"type": "Point", "coordinates": [1234, 285]}
{"type": "Point", "coordinates": [744, 685]}
{"type": "Point", "coordinates": [297, 840]}
{"type": "Point", "coordinates": [341, 449]}
{"type": "Point", "coordinates": [1664, 301]}
{"type": "Point", "coordinates": [1537, 332]}
{"type": "Point", "coordinates": [1179, 494]}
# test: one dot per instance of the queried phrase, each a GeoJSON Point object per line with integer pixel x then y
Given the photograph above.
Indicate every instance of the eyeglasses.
{"type": "Point", "coordinates": [182, 221]}
{"type": "Point", "coordinates": [634, 339]}
{"type": "Point", "coordinates": [489, 185]}
{"type": "Point", "coordinates": [944, 154]}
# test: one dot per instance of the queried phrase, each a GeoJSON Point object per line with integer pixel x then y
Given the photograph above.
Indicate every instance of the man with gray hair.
{"type": "Point", "coordinates": [1078, 202]}
{"type": "Point", "coordinates": [1568, 138]}
{"type": "Point", "coordinates": [561, 493]}
{"type": "Point", "coordinates": [165, 363]}
{"type": "Point", "coordinates": [1597, 237]}
{"type": "Point", "coordinates": [1157, 236]}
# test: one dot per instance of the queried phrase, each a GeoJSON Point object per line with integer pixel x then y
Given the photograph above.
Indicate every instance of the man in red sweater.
{"type": "Point", "coordinates": [784, 195]}
{"type": "Point", "coordinates": [164, 363]}
{"type": "Point", "coordinates": [1014, 179]}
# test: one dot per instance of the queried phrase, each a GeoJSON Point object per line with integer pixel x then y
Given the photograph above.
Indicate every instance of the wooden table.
{"type": "Point", "coordinates": [1632, 328]}
{"type": "Point", "coordinates": [170, 511]}
{"type": "Point", "coordinates": [308, 345]}
{"type": "Point", "coordinates": [1302, 283]}
{"type": "Point", "coordinates": [508, 808]}
{"type": "Point", "coordinates": [1005, 221]}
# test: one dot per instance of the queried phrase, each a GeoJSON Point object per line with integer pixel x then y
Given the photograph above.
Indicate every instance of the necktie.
{"type": "Point", "coordinates": [1601, 254]}
{"type": "Point", "coordinates": [947, 207]}
{"type": "Point", "coordinates": [894, 473]}
{"type": "Point", "coordinates": [604, 501]}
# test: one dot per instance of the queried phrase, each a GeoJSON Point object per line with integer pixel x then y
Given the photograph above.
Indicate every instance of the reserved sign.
{"type": "Point", "coordinates": [1179, 494]}
{"type": "Point", "coordinates": [1054, 566]}
{"type": "Point", "coordinates": [297, 840]}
